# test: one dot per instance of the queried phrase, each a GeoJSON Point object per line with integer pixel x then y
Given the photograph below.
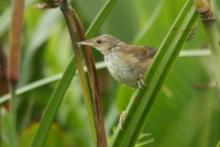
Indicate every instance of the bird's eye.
{"type": "Point", "coordinates": [98, 41]}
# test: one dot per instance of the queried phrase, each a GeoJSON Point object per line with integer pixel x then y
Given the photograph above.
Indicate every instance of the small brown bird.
{"type": "Point", "coordinates": [126, 63]}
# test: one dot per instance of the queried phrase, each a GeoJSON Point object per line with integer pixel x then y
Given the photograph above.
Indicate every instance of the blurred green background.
{"type": "Point", "coordinates": [187, 111]}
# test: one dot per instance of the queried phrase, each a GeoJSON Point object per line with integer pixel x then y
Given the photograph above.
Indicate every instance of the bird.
{"type": "Point", "coordinates": [126, 63]}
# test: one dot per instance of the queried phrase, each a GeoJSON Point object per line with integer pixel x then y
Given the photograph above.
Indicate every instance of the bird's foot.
{"type": "Point", "coordinates": [141, 82]}
{"type": "Point", "coordinates": [121, 120]}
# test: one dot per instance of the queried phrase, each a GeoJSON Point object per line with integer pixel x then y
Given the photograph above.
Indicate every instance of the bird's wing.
{"type": "Point", "coordinates": [137, 57]}
{"type": "Point", "coordinates": [140, 53]}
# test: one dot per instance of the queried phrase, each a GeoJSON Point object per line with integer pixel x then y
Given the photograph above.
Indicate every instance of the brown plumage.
{"type": "Point", "coordinates": [126, 63]}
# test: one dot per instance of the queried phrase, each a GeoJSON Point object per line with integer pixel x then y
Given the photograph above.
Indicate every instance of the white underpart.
{"type": "Point", "coordinates": [121, 70]}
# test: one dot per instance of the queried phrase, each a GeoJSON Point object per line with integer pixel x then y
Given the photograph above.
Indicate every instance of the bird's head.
{"type": "Point", "coordinates": [104, 43]}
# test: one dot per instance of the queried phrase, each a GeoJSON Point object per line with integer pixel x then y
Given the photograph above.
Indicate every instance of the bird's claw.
{"type": "Point", "coordinates": [121, 120]}
{"type": "Point", "coordinates": [141, 82]}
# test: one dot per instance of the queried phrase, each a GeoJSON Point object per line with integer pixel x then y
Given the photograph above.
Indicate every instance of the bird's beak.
{"type": "Point", "coordinates": [86, 42]}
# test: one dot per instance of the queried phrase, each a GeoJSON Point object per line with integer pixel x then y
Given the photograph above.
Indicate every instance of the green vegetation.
{"type": "Point", "coordinates": [180, 106]}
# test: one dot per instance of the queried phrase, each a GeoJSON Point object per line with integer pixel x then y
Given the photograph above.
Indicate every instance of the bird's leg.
{"type": "Point", "coordinates": [141, 83]}
{"type": "Point", "coordinates": [122, 119]}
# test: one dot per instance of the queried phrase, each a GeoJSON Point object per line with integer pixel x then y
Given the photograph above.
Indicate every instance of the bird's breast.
{"type": "Point", "coordinates": [121, 70]}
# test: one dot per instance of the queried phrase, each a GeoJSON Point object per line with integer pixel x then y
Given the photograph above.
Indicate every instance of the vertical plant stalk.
{"type": "Point", "coordinates": [14, 61]}
{"type": "Point", "coordinates": [3, 86]}
{"type": "Point", "coordinates": [206, 103]}
{"type": "Point", "coordinates": [3, 78]}
{"type": "Point", "coordinates": [87, 52]}
{"type": "Point", "coordinates": [83, 81]}
{"type": "Point", "coordinates": [1, 132]}
{"type": "Point", "coordinates": [207, 16]}
{"type": "Point", "coordinates": [15, 41]}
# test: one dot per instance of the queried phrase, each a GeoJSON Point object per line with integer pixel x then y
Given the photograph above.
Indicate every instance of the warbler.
{"type": "Point", "coordinates": [126, 63]}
